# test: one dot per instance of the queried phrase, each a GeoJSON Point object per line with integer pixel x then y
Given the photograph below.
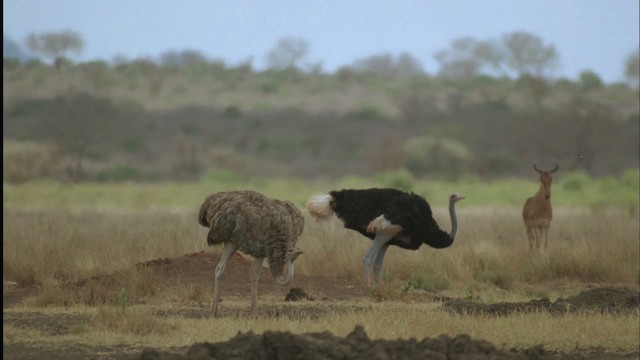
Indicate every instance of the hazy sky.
{"type": "Point", "coordinates": [588, 34]}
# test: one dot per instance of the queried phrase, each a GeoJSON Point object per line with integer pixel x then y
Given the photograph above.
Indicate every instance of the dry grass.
{"type": "Point", "coordinates": [489, 261]}
{"type": "Point", "coordinates": [390, 320]}
{"type": "Point", "coordinates": [586, 246]}
{"type": "Point", "coordinates": [40, 248]}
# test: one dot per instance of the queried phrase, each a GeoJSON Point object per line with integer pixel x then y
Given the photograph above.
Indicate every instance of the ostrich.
{"type": "Point", "coordinates": [257, 226]}
{"type": "Point", "coordinates": [537, 213]}
{"type": "Point", "coordinates": [388, 217]}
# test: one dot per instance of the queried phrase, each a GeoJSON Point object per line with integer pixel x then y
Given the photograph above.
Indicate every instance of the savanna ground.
{"type": "Point", "coordinates": [91, 273]}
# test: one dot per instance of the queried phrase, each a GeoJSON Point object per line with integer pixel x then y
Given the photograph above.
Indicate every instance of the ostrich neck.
{"type": "Point", "coordinates": [454, 219]}
{"type": "Point", "coordinates": [281, 279]}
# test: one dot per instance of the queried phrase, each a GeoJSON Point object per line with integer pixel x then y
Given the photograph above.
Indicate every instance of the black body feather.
{"type": "Point", "coordinates": [357, 208]}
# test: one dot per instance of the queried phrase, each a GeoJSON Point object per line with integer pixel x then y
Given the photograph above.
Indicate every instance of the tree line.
{"type": "Point", "coordinates": [514, 54]}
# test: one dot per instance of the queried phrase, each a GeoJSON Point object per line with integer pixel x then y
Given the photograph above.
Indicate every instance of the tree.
{"type": "Point", "coordinates": [287, 53]}
{"type": "Point", "coordinates": [589, 80]}
{"type": "Point", "coordinates": [632, 68]}
{"type": "Point", "coordinates": [12, 50]}
{"type": "Point", "coordinates": [182, 58]}
{"type": "Point", "coordinates": [388, 66]}
{"type": "Point", "coordinates": [408, 65]}
{"type": "Point", "coordinates": [381, 64]}
{"type": "Point", "coordinates": [528, 56]}
{"type": "Point", "coordinates": [466, 57]}
{"type": "Point", "coordinates": [526, 53]}
{"type": "Point", "coordinates": [55, 45]}
{"type": "Point", "coordinates": [76, 123]}
{"type": "Point", "coordinates": [458, 61]}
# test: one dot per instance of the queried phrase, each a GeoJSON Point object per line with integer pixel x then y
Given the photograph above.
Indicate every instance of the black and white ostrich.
{"type": "Point", "coordinates": [257, 226]}
{"type": "Point", "coordinates": [388, 217]}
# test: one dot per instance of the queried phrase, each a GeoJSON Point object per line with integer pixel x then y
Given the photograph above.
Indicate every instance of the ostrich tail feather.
{"type": "Point", "coordinates": [319, 206]}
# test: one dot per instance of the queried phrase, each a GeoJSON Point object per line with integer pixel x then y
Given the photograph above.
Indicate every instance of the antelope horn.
{"type": "Point", "coordinates": [536, 169]}
{"type": "Point", "coordinates": [554, 169]}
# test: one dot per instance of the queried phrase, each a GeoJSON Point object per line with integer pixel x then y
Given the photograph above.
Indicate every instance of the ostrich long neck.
{"type": "Point", "coordinates": [281, 279]}
{"type": "Point", "coordinates": [454, 219]}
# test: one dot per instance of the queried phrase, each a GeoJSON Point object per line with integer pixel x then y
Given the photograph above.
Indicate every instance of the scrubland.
{"type": "Point", "coordinates": [57, 234]}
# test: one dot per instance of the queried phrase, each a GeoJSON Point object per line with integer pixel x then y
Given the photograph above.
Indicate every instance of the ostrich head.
{"type": "Point", "coordinates": [277, 270]}
{"type": "Point", "coordinates": [455, 197]}
{"type": "Point", "coordinates": [293, 253]}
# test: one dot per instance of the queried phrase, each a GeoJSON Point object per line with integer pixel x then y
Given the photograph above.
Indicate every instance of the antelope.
{"type": "Point", "coordinates": [537, 213]}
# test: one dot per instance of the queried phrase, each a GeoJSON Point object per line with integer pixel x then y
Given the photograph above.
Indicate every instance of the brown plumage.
{"type": "Point", "coordinates": [537, 212]}
{"type": "Point", "coordinates": [258, 226]}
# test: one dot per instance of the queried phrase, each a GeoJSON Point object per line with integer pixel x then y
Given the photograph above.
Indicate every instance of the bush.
{"type": "Point", "coordinates": [367, 112]}
{"type": "Point", "coordinates": [222, 177]}
{"type": "Point", "coordinates": [631, 178]}
{"type": "Point", "coordinates": [24, 161]}
{"type": "Point", "coordinates": [575, 181]}
{"type": "Point", "coordinates": [132, 145]}
{"type": "Point", "coordinates": [118, 173]}
{"type": "Point", "coordinates": [589, 80]}
{"type": "Point", "coordinates": [232, 111]}
{"type": "Point", "coordinates": [439, 156]}
{"type": "Point", "coordinates": [398, 179]}
{"type": "Point", "coordinates": [10, 63]}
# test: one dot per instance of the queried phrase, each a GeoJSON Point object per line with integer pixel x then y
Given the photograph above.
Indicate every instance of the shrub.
{"type": "Point", "coordinates": [10, 63]}
{"type": "Point", "coordinates": [399, 179]}
{"type": "Point", "coordinates": [367, 112]}
{"type": "Point", "coordinates": [589, 80]}
{"type": "Point", "coordinates": [631, 178]}
{"type": "Point", "coordinates": [24, 161]}
{"type": "Point", "coordinates": [118, 173]}
{"type": "Point", "coordinates": [222, 177]}
{"type": "Point", "coordinates": [575, 181]}
{"type": "Point", "coordinates": [132, 145]}
{"type": "Point", "coordinates": [437, 155]}
{"type": "Point", "coordinates": [232, 111]}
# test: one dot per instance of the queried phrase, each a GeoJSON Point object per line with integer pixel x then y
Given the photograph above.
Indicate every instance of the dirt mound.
{"type": "Point", "coordinates": [605, 299]}
{"type": "Point", "coordinates": [356, 345]}
{"type": "Point", "coordinates": [199, 269]}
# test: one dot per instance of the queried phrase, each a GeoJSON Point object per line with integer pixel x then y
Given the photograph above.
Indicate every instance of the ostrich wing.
{"type": "Point", "coordinates": [410, 211]}
{"type": "Point", "coordinates": [410, 215]}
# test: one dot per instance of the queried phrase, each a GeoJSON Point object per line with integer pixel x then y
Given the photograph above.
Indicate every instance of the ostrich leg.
{"type": "Point", "coordinates": [379, 241]}
{"type": "Point", "coordinates": [256, 268]}
{"type": "Point", "coordinates": [228, 250]}
{"type": "Point", "coordinates": [377, 264]}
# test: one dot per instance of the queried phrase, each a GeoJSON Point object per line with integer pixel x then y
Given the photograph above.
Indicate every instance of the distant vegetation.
{"type": "Point", "coordinates": [183, 116]}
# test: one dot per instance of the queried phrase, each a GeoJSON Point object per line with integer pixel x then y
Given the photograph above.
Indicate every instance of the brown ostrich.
{"type": "Point", "coordinates": [388, 217]}
{"type": "Point", "coordinates": [537, 213]}
{"type": "Point", "coordinates": [256, 225]}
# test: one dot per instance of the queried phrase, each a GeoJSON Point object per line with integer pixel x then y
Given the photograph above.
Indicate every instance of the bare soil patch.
{"type": "Point", "coordinates": [603, 299]}
{"type": "Point", "coordinates": [357, 345]}
{"type": "Point", "coordinates": [198, 268]}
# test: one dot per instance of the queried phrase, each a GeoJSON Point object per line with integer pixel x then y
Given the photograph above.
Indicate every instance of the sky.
{"type": "Point", "coordinates": [595, 35]}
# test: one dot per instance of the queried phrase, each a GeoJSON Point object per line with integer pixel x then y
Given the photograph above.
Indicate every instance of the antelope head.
{"type": "Point", "coordinates": [546, 179]}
